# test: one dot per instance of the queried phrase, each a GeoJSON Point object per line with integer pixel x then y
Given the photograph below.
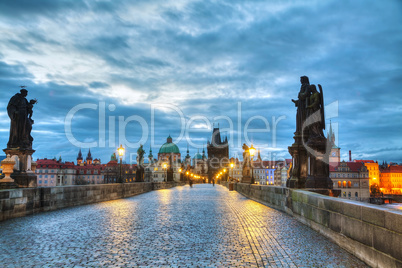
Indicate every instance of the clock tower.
{"type": "Point", "coordinates": [335, 154]}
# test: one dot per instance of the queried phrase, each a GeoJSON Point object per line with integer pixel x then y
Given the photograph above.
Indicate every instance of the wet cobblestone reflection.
{"type": "Point", "coordinates": [204, 226]}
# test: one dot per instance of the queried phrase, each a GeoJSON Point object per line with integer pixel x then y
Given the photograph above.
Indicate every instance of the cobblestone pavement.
{"type": "Point", "coordinates": [203, 226]}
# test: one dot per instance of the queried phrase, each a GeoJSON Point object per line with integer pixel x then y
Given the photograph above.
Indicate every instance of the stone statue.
{"type": "Point", "coordinates": [315, 113]}
{"type": "Point", "coordinates": [139, 176]}
{"type": "Point", "coordinates": [301, 104]}
{"type": "Point", "coordinates": [310, 151]}
{"type": "Point", "coordinates": [140, 155]}
{"type": "Point", "coordinates": [20, 112]}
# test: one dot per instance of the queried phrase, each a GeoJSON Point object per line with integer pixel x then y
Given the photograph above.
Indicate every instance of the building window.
{"type": "Point", "coordinates": [349, 194]}
{"type": "Point", "coordinates": [40, 182]}
{"type": "Point", "coordinates": [356, 194]}
{"type": "Point", "coordinates": [45, 181]}
{"type": "Point", "coordinates": [349, 184]}
{"type": "Point", "coordinates": [339, 184]}
{"type": "Point", "coordinates": [45, 176]}
{"type": "Point", "coordinates": [344, 185]}
{"type": "Point", "coordinates": [51, 176]}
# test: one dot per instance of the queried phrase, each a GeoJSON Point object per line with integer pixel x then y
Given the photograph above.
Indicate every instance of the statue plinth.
{"type": "Point", "coordinates": [318, 164]}
{"type": "Point", "coordinates": [23, 175]}
{"type": "Point", "coordinates": [298, 152]}
{"type": "Point", "coordinates": [139, 174]}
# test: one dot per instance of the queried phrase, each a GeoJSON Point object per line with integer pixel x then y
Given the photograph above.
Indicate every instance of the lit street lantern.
{"type": "Point", "coordinates": [252, 152]}
{"type": "Point", "coordinates": [120, 151]}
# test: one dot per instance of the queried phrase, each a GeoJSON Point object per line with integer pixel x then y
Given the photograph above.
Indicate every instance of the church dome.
{"type": "Point", "coordinates": [169, 147]}
{"type": "Point", "coordinates": [198, 156]}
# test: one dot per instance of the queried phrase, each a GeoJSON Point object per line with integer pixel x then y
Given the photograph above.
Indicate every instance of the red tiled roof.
{"type": "Point", "coordinates": [392, 169]}
{"type": "Point", "coordinates": [365, 161]}
{"type": "Point", "coordinates": [353, 166]}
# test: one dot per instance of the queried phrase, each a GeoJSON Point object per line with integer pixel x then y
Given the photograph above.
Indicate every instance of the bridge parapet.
{"type": "Point", "coordinates": [25, 201]}
{"type": "Point", "coordinates": [370, 232]}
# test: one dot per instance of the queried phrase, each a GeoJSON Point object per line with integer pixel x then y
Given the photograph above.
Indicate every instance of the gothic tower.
{"type": "Point", "coordinates": [218, 151]}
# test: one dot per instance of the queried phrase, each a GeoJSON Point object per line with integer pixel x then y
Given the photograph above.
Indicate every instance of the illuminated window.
{"type": "Point", "coordinates": [339, 184]}
{"type": "Point", "coordinates": [349, 184]}
{"type": "Point", "coordinates": [344, 185]}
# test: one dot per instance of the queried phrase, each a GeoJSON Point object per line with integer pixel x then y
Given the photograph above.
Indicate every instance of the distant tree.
{"type": "Point", "coordinates": [375, 190]}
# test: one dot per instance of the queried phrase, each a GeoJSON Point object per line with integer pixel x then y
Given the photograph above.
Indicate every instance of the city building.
{"type": "Point", "coordinates": [52, 172]}
{"type": "Point", "coordinates": [235, 170]}
{"type": "Point", "coordinates": [391, 180]}
{"type": "Point", "coordinates": [200, 164]}
{"type": "Point", "coordinates": [352, 178]}
{"type": "Point", "coordinates": [374, 171]}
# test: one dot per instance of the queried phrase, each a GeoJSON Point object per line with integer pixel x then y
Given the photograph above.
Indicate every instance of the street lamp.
{"type": "Point", "coordinates": [231, 168]}
{"type": "Point", "coordinates": [252, 152]}
{"type": "Point", "coordinates": [120, 151]}
{"type": "Point", "coordinates": [165, 167]}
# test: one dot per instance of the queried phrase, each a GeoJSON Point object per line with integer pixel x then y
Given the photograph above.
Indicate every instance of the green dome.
{"type": "Point", "coordinates": [168, 148]}
{"type": "Point", "coordinates": [198, 156]}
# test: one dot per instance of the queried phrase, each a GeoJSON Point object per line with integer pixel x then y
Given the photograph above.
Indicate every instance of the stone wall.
{"type": "Point", "coordinates": [370, 232]}
{"type": "Point", "coordinates": [25, 201]}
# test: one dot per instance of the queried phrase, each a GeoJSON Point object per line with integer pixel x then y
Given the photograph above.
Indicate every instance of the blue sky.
{"type": "Point", "coordinates": [178, 67]}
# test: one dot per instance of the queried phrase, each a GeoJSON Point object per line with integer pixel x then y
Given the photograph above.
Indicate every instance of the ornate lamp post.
{"type": "Point", "coordinates": [231, 169]}
{"type": "Point", "coordinates": [252, 152]}
{"type": "Point", "coordinates": [120, 151]}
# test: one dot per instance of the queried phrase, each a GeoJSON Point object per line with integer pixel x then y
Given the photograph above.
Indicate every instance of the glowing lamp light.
{"type": "Point", "coordinates": [231, 165]}
{"type": "Point", "coordinates": [252, 150]}
{"type": "Point", "coordinates": [224, 170]}
{"type": "Point", "coordinates": [187, 173]}
{"type": "Point", "coordinates": [180, 170]}
{"type": "Point", "coordinates": [164, 166]}
{"type": "Point", "coordinates": [120, 150]}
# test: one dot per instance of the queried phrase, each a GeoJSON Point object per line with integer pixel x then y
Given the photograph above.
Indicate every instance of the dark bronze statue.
{"type": "Point", "coordinates": [140, 155]}
{"type": "Point", "coordinates": [20, 112]}
{"type": "Point", "coordinates": [301, 104]}
{"type": "Point", "coordinates": [310, 151]}
{"type": "Point", "coordinates": [315, 113]}
{"type": "Point", "coordinates": [139, 177]}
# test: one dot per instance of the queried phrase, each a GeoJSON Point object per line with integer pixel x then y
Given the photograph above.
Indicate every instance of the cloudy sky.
{"type": "Point", "coordinates": [133, 72]}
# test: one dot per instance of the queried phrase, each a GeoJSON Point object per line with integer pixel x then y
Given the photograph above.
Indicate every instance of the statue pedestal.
{"type": "Point", "coordinates": [318, 165]}
{"type": "Point", "coordinates": [23, 175]}
{"type": "Point", "coordinates": [169, 174]}
{"type": "Point", "coordinates": [139, 175]}
{"type": "Point", "coordinates": [298, 173]}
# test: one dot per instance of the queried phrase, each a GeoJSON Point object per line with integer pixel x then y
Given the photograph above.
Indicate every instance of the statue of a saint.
{"type": "Point", "coordinates": [315, 113]}
{"type": "Point", "coordinates": [301, 103]}
{"type": "Point", "coordinates": [140, 156]}
{"type": "Point", "coordinates": [20, 112]}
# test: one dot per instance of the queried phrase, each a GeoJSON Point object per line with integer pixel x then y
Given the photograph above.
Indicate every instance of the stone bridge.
{"type": "Point", "coordinates": [203, 226]}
